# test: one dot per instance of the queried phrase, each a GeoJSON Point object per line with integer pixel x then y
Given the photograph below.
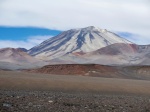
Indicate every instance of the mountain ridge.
{"type": "Point", "coordinates": [90, 45]}
{"type": "Point", "coordinates": [15, 58]}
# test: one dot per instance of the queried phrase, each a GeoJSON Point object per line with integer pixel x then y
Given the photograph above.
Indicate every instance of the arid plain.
{"type": "Point", "coordinates": [22, 91]}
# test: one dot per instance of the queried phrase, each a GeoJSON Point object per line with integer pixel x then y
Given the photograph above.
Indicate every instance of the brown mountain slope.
{"type": "Point", "coordinates": [130, 72]}
{"type": "Point", "coordinates": [76, 69]}
{"type": "Point", "coordinates": [118, 49]}
{"type": "Point", "coordinates": [12, 59]}
{"type": "Point", "coordinates": [13, 55]}
{"type": "Point", "coordinates": [118, 54]}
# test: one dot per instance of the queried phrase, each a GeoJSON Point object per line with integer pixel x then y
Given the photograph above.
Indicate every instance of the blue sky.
{"type": "Point", "coordinates": [26, 23]}
{"type": "Point", "coordinates": [25, 37]}
{"type": "Point", "coordinates": [22, 33]}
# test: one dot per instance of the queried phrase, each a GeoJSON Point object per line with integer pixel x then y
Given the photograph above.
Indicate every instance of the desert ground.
{"type": "Point", "coordinates": [33, 92]}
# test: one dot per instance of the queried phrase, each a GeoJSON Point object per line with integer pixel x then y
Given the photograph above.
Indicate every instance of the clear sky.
{"type": "Point", "coordinates": [26, 23]}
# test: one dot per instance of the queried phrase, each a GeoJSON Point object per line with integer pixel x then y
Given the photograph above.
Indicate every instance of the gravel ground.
{"type": "Point", "coordinates": [50, 101]}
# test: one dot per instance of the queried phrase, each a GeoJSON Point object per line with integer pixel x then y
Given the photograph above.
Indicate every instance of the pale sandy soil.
{"type": "Point", "coordinates": [27, 81]}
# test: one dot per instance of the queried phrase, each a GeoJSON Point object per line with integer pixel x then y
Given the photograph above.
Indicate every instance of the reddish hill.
{"type": "Point", "coordinates": [79, 69]}
{"type": "Point", "coordinates": [129, 72]}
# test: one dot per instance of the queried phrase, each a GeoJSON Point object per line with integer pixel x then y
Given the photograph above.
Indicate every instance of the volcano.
{"type": "Point", "coordinates": [81, 40]}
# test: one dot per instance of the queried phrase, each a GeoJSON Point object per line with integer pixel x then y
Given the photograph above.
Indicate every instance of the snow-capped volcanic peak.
{"type": "Point", "coordinates": [89, 29]}
{"type": "Point", "coordinates": [76, 40]}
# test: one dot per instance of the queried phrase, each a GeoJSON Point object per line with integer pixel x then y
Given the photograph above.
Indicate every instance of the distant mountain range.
{"type": "Point", "coordinates": [80, 46]}
{"type": "Point", "coordinates": [91, 45]}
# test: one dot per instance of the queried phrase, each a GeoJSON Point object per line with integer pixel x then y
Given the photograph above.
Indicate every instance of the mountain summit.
{"type": "Point", "coordinates": [76, 40]}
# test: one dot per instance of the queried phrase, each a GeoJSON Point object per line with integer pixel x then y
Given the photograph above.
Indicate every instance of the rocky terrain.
{"type": "Point", "coordinates": [22, 92]}
{"type": "Point", "coordinates": [50, 101]}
